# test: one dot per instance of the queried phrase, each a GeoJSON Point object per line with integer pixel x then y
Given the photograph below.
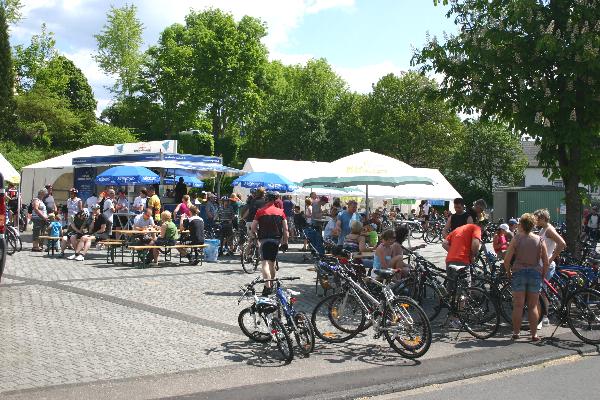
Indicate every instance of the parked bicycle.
{"type": "Point", "coordinates": [263, 320]}
{"type": "Point", "coordinates": [363, 302]}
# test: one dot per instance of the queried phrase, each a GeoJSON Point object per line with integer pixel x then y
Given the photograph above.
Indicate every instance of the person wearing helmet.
{"type": "Point", "coordinates": [270, 224]}
{"type": "Point", "coordinates": [74, 205]}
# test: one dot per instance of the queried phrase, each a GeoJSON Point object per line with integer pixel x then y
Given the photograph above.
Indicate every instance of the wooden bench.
{"type": "Point", "coordinates": [140, 252]}
{"type": "Point", "coordinates": [111, 250]}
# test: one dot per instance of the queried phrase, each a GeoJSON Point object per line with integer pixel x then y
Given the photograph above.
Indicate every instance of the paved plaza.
{"type": "Point", "coordinates": [87, 329]}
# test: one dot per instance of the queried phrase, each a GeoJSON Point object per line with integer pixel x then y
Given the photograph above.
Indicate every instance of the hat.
{"type": "Point", "coordinates": [504, 227]}
{"type": "Point", "coordinates": [272, 196]}
{"type": "Point", "coordinates": [96, 207]}
{"type": "Point", "coordinates": [512, 221]}
{"type": "Point", "coordinates": [324, 199]}
{"type": "Point", "coordinates": [73, 190]}
{"type": "Point", "coordinates": [212, 195]}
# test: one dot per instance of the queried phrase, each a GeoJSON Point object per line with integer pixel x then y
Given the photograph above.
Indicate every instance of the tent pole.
{"type": "Point", "coordinates": [367, 204]}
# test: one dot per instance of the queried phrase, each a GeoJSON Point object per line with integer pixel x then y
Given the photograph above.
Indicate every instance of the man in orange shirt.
{"type": "Point", "coordinates": [462, 245]}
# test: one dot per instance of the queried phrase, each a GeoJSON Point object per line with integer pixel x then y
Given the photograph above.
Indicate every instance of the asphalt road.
{"type": "Point", "coordinates": [573, 377]}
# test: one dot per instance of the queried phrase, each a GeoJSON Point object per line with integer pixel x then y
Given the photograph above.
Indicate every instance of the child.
{"type": "Point", "coordinates": [371, 234]}
{"type": "Point", "coordinates": [500, 242]}
{"type": "Point", "coordinates": [54, 230]}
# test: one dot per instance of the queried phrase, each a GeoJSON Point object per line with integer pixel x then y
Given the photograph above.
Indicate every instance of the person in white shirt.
{"type": "Point", "coordinates": [143, 221]}
{"type": "Point", "coordinates": [91, 202]}
{"type": "Point", "coordinates": [109, 209]}
{"type": "Point", "coordinates": [139, 203]}
{"type": "Point", "coordinates": [74, 205]}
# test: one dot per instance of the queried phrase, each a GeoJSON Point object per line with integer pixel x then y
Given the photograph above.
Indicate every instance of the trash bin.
{"type": "Point", "coordinates": [211, 253]}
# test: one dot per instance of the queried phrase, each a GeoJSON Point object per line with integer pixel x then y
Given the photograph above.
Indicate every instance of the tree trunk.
{"type": "Point", "coordinates": [573, 203]}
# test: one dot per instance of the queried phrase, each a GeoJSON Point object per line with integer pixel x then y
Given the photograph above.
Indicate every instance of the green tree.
{"type": "Point", "coordinates": [119, 48]}
{"type": "Point", "coordinates": [30, 60]}
{"type": "Point", "coordinates": [407, 118]}
{"type": "Point", "coordinates": [107, 135]}
{"type": "Point", "coordinates": [7, 81]}
{"type": "Point", "coordinates": [347, 133]}
{"type": "Point", "coordinates": [12, 9]}
{"type": "Point", "coordinates": [63, 78]}
{"type": "Point", "coordinates": [533, 64]}
{"type": "Point", "coordinates": [487, 155]}
{"type": "Point", "coordinates": [225, 61]}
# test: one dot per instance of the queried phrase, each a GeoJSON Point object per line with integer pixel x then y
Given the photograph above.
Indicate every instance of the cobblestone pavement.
{"type": "Point", "coordinates": [66, 322]}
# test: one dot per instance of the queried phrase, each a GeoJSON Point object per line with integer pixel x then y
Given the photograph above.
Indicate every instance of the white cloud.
{"type": "Point", "coordinates": [361, 79]}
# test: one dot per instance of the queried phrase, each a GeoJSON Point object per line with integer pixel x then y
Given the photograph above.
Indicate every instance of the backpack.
{"type": "Point", "coordinates": [30, 207]}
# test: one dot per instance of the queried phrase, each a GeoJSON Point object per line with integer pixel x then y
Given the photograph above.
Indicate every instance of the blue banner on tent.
{"type": "Point", "coordinates": [122, 158]}
{"type": "Point", "coordinates": [84, 182]}
{"type": "Point", "coordinates": [440, 203]}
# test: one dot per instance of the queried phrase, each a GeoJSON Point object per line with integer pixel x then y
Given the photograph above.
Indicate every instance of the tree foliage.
{"type": "Point", "coordinates": [535, 65]}
{"type": "Point", "coordinates": [119, 48]}
{"type": "Point", "coordinates": [30, 60]}
{"type": "Point", "coordinates": [407, 118]}
{"type": "Point", "coordinates": [487, 155]}
{"type": "Point", "coordinates": [7, 81]}
{"type": "Point", "coordinates": [12, 10]}
{"type": "Point", "coordinates": [107, 135]}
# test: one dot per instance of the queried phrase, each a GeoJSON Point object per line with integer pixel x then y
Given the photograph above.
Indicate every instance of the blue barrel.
{"type": "Point", "coordinates": [211, 253]}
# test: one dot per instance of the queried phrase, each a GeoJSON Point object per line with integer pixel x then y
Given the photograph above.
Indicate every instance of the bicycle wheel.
{"type": "Point", "coordinates": [416, 233]}
{"type": "Point", "coordinates": [304, 333]}
{"type": "Point", "coordinates": [336, 320]}
{"type": "Point", "coordinates": [406, 328]}
{"type": "Point", "coordinates": [284, 343]}
{"type": "Point", "coordinates": [254, 325]}
{"type": "Point", "coordinates": [247, 258]}
{"type": "Point", "coordinates": [430, 300]}
{"type": "Point", "coordinates": [11, 242]}
{"type": "Point", "coordinates": [478, 312]}
{"type": "Point", "coordinates": [583, 315]}
{"type": "Point", "coordinates": [430, 235]}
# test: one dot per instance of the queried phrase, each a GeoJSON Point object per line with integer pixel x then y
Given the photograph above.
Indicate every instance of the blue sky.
{"type": "Point", "coordinates": [363, 40]}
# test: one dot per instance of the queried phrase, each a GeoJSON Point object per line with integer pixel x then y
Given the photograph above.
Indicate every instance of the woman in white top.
{"type": "Point", "coordinates": [555, 244]}
{"type": "Point", "coordinates": [74, 204]}
{"type": "Point", "coordinates": [139, 203]}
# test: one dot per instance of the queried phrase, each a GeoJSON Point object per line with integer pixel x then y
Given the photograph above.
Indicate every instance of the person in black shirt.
{"type": "Point", "coordinates": [180, 190]}
{"type": "Point", "coordinates": [196, 227]}
{"type": "Point", "coordinates": [459, 218]}
{"type": "Point", "coordinates": [98, 230]}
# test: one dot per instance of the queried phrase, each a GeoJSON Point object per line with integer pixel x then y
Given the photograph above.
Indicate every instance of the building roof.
{"type": "Point", "coordinates": [531, 150]}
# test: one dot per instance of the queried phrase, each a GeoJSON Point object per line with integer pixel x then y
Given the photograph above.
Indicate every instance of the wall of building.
{"type": "Point", "coordinates": [534, 177]}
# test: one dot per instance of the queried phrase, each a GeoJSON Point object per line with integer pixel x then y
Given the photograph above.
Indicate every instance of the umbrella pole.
{"type": "Point", "coordinates": [367, 203]}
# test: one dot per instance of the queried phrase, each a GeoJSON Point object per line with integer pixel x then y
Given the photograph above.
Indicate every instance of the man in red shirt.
{"type": "Point", "coordinates": [462, 245]}
{"type": "Point", "coordinates": [270, 225]}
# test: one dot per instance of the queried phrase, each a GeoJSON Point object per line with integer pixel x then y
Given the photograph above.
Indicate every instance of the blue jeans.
{"type": "Point", "coordinates": [527, 280]}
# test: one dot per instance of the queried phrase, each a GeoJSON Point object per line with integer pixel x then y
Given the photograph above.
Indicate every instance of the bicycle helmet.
{"type": "Point", "coordinates": [272, 196]}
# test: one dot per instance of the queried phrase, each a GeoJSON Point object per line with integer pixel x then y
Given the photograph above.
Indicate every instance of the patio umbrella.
{"type": "Point", "coordinates": [8, 171]}
{"type": "Point", "coordinates": [188, 180]}
{"type": "Point", "coordinates": [268, 180]}
{"type": "Point", "coordinates": [127, 175]}
{"type": "Point", "coordinates": [370, 169]}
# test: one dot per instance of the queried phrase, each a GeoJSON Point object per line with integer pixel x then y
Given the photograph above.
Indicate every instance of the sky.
{"type": "Point", "coordinates": [362, 39]}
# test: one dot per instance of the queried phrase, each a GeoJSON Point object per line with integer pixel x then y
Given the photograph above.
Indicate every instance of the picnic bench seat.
{"type": "Point", "coordinates": [52, 244]}
{"type": "Point", "coordinates": [111, 249]}
{"type": "Point", "coordinates": [140, 251]}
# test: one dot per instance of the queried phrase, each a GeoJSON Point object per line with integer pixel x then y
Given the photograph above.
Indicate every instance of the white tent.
{"type": "Point", "coordinates": [36, 176]}
{"type": "Point", "coordinates": [9, 173]}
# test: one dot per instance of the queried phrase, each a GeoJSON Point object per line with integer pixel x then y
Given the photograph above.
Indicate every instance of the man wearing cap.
{"type": "Point", "coordinates": [74, 204]}
{"type": "Point", "coordinates": [270, 225]}
{"type": "Point", "coordinates": [49, 201]}
{"type": "Point", "coordinates": [513, 226]}
{"type": "Point", "coordinates": [344, 219]}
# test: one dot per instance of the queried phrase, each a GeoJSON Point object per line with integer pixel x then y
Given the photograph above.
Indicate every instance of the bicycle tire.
{"type": "Point", "coordinates": [412, 323]}
{"type": "Point", "coordinates": [416, 233]}
{"type": "Point", "coordinates": [430, 300]}
{"type": "Point", "coordinates": [583, 308]}
{"type": "Point", "coordinates": [247, 260]}
{"type": "Point", "coordinates": [304, 333]}
{"type": "Point", "coordinates": [282, 338]}
{"type": "Point", "coordinates": [254, 334]}
{"type": "Point", "coordinates": [11, 242]}
{"type": "Point", "coordinates": [479, 313]}
{"type": "Point", "coordinates": [327, 311]}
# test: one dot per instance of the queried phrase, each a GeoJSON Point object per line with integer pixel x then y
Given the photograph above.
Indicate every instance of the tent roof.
{"type": "Point", "coordinates": [66, 160]}
{"type": "Point", "coordinates": [9, 172]}
{"type": "Point", "coordinates": [295, 171]}
{"type": "Point", "coordinates": [367, 162]}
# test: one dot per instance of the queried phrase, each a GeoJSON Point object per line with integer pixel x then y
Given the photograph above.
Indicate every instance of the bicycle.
{"type": "Point", "coordinates": [264, 326]}
{"type": "Point", "coordinates": [250, 256]}
{"type": "Point", "coordinates": [399, 319]}
{"type": "Point", "coordinates": [472, 306]}
{"type": "Point", "coordinates": [13, 239]}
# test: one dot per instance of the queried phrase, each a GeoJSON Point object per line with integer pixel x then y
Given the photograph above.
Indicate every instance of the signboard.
{"type": "Point", "coordinates": [84, 181]}
{"type": "Point", "coordinates": [160, 146]}
{"type": "Point", "coordinates": [125, 158]}
{"type": "Point", "coordinates": [563, 209]}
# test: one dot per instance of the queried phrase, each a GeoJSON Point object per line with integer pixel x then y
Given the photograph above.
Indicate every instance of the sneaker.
{"type": "Point", "coordinates": [79, 258]}
{"type": "Point", "coordinates": [540, 324]}
{"type": "Point", "coordinates": [545, 321]}
{"type": "Point", "coordinates": [266, 291]}
{"type": "Point", "coordinates": [72, 257]}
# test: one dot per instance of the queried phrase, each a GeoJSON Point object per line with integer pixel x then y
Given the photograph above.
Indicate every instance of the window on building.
{"type": "Point", "coordinates": [558, 183]}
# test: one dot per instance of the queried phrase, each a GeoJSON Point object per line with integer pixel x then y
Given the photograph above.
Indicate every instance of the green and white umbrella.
{"type": "Point", "coordinates": [407, 177]}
